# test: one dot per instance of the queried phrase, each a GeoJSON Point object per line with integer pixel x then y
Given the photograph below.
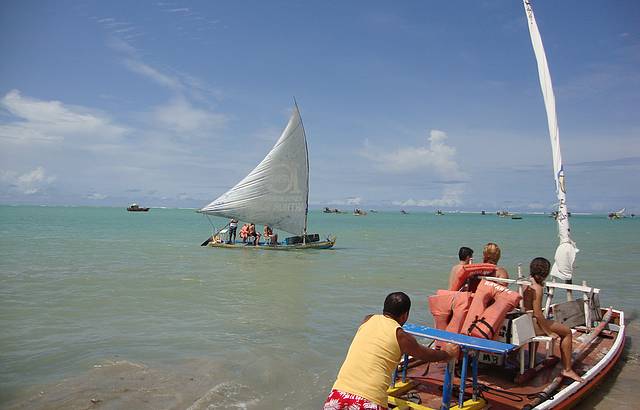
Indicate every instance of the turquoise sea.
{"type": "Point", "coordinates": [126, 309]}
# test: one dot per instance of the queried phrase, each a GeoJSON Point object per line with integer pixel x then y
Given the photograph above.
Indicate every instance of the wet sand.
{"type": "Point", "coordinates": [122, 384]}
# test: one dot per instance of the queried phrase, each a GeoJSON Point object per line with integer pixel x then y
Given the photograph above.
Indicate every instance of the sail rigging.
{"type": "Point", "coordinates": [566, 251]}
{"type": "Point", "coordinates": [276, 192]}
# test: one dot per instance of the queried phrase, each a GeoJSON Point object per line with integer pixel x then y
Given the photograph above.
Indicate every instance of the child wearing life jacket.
{"type": "Point", "coordinates": [244, 233]}
{"type": "Point", "coordinates": [539, 270]}
{"type": "Point", "coordinates": [464, 255]}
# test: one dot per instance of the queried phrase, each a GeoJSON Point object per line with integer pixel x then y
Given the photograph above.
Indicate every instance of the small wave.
{"type": "Point", "coordinates": [225, 395]}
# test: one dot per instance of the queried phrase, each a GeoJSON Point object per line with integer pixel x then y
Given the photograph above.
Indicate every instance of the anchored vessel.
{"type": "Point", "coordinates": [275, 193]}
{"type": "Point", "coordinates": [136, 208]}
{"type": "Point", "coordinates": [504, 364]}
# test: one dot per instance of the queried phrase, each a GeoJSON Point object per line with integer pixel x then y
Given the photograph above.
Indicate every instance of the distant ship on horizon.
{"type": "Point", "coordinates": [136, 208]}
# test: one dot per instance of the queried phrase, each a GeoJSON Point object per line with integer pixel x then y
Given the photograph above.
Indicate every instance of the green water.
{"type": "Point", "coordinates": [84, 290]}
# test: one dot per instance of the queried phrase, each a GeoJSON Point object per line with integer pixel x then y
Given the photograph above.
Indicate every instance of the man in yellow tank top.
{"type": "Point", "coordinates": [374, 354]}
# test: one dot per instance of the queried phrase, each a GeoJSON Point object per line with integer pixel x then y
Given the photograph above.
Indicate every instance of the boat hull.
{"type": "Point", "coordinates": [427, 380]}
{"type": "Point", "coordinates": [296, 247]}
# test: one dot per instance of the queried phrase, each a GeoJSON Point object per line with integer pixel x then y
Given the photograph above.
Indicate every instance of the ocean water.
{"type": "Point", "coordinates": [126, 309]}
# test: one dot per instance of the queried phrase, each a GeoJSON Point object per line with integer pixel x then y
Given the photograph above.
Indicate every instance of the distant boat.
{"type": "Point", "coordinates": [439, 212]}
{"type": "Point", "coordinates": [504, 214]}
{"type": "Point", "coordinates": [331, 211]}
{"type": "Point", "coordinates": [483, 213]}
{"type": "Point", "coordinates": [516, 217]}
{"type": "Point", "coordinates": [617, 215]}
{"type": "Point", "coordinates": [135, 208]}
{"type": "Point", "coordinates": [373, 211]}
{"type": "Point", "coordinates": [275, 193]}
{"type": "Point", "coordinates": [403, 212]}
{"type": "Point", "coordinates": [359, 212]}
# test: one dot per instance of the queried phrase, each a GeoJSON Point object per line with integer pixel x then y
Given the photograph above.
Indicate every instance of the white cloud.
{"type": "Point", "coordinates": [537, 206]}
{"type": "Point", "coordinates": [122, 46]}
{"type": "Point", "coordinates": [437, 157]}
{"type": "Point", "coordinates": [146, 70]}
{"type": "Point", "coordinates": [52, 120]}
{"type": "Point", "coordinates": [451, 197]}
{"type": "Point", "coordinates": [95, 196]}
{"type": "Point", "coordinates": [181, 117]}
{"type": "Point", "coordinates": [178, 115]}
{"type": "Point", "coordinates": [180, 83]}
{"type": "Point", "coordinates": [28, 183]}
{"type": "Point", "coordinates": [347, 201]}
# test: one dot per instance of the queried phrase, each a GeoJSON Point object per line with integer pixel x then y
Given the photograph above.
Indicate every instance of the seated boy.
{"type": "Point", "coordinates": [539, 270]}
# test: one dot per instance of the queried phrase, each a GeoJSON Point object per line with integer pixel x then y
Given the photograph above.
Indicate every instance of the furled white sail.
{"type": "Point", "coordinates": [276, 191]}
{"type": "Point", "coordinates": [566, 251]}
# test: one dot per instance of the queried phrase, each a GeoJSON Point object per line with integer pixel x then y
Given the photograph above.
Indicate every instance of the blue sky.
{"type": "Point", "coordinates": [415, 104]}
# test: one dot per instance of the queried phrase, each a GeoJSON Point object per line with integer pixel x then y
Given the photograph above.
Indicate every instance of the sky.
{"type": "Point", "coordinates": [417, 104]}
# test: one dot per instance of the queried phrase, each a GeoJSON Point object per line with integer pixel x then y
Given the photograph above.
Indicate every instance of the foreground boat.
{"type": "Point", "coordinates": [504, 363]}
{"type": "Point", "coordinates": [275, 193]}
{"type": "Point", "coordinates": [521, 374]}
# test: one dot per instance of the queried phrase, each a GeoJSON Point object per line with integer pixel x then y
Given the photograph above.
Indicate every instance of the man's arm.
{"type": "Point", "coordinates": [409, 344]}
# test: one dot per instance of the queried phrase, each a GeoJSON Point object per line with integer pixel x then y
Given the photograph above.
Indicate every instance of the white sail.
{"type": "Point", "coordinates": [276, 191]}
{"type": "Point", "coordinates": [566, 251]}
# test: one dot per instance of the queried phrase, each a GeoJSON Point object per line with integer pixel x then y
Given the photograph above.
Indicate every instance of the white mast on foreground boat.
{"type": "Point", "coordinates": [566, 251]}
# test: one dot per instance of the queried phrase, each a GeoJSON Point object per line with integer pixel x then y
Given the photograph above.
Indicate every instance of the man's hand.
{"type": "Point", "coordinates": [452, 350]}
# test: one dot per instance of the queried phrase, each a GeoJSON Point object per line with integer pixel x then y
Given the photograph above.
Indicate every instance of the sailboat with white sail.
{"type": "Point", "coordinates": [509, 378]}
{"type": "Point", "coordinates": [274, 193]}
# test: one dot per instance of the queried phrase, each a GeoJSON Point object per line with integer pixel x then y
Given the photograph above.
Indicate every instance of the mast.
{"type": "Point", "coordinates": [306, 151]}
{"type": "Point", "coordinates": [566, 251]}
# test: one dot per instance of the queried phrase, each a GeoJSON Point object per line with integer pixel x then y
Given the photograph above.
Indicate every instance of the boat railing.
{"type": "Point", "coordinates": [588, 294]}
{"type": "Point", "coordinates": [557, 285]}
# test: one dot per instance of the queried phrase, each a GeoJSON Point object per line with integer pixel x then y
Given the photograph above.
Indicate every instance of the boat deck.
{"type": "Point", "coordinates": [497, 383]}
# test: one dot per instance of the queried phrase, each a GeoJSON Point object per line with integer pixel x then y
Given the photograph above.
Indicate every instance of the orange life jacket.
{"type": "Point", "coordinates": [449, 309]}
{"type": "Point", "coordinates": [470, 275]}
{"type": "Point", "coordinates": [490, 306]}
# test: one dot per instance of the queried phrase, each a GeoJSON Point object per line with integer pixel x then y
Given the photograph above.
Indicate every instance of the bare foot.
{"type": "Point", "coordinates": [572, 375]}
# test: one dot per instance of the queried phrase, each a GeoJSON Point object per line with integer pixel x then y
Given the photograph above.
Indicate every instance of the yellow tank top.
{"type": "Point", "coordinates": [372, 357]}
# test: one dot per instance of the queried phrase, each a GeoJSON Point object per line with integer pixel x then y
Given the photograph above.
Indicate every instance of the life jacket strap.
{"type": "Point", "coordinates": [489, 328]}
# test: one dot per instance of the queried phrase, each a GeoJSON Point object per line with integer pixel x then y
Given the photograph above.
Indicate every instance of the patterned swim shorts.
{"type": "Point", "coordinates": [338, 400]}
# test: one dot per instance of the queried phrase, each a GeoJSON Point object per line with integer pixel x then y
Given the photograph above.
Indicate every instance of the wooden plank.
{"type": "Point", "coordinates": [570, 314]}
